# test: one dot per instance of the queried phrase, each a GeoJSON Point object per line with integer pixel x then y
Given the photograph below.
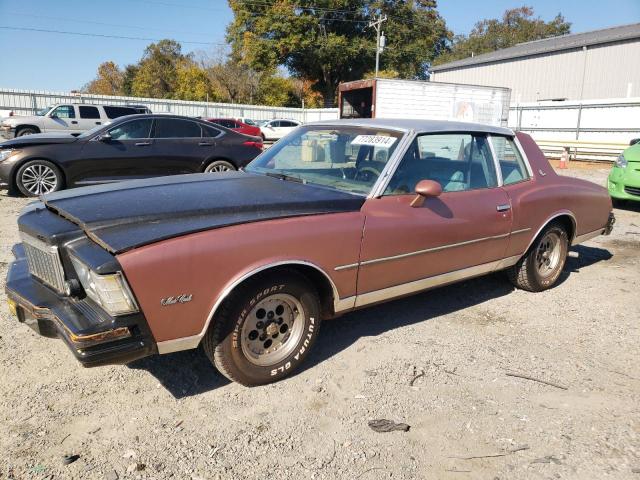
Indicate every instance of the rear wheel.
{"type": "Point", "coordinates": [265, 329]}
{"type": "Point", "coordinates": [38, 177]}
{"type": "Point", "coordinates": [26, 131]}
{"type": "Point", "coordinates": [540, 268]}
{"type": "Point", "coordinates": [219, 166]}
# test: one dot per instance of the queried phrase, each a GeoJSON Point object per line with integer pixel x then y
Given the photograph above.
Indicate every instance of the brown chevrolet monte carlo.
{"type": "Point", "coordinates": [334, 217]}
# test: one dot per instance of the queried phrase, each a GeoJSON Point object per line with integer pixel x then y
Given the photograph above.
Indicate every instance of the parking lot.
{"type": "Point", "coordinates": [437, 361]}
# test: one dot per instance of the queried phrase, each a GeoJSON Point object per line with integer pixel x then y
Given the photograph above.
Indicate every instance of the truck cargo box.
{"type": "Point", "coordinates": [388, 98]}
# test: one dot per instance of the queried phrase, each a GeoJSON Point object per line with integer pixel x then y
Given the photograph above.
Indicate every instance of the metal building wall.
{"type": "Point", "coordinates": [610, 71]}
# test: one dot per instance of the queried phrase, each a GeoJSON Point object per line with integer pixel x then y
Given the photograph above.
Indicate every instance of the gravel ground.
{"type": "Point", "coordinates": [436, 361]}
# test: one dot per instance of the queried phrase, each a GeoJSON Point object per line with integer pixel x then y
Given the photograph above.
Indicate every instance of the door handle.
{"type": "Point", "coordinates": [205, 144]}
{"type": "Point", "coordinates": [504, 207]}
{"type": "Point", "coordinates": [74, 122]}
{"type": "Point", "coordinates": [98, 123]}
{"type": "Point", "coordinates": [142, 144]}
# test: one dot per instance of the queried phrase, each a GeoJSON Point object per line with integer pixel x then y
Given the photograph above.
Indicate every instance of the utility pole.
{"type": "Point", "coordinates": [380, 39]}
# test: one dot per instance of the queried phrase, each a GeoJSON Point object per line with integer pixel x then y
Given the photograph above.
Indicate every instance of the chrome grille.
{"type": "Point", "coordinates": [44, 262]}
{"type": "Point", "coordinates": [632, 190]}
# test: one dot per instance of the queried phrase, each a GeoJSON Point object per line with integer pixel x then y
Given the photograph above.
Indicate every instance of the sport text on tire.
{"type": "Point", "coordinates": [540, 268]}
{"type": "Point", "coordinates": [265, 329]}
{"type": "Point", "coordinates": [219, 166]}
{"type": "Point", "coordinates": [38, 177]}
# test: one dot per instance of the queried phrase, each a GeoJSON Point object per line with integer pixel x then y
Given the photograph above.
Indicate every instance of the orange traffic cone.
{"type": "Point", "coordinates": [564, 158]}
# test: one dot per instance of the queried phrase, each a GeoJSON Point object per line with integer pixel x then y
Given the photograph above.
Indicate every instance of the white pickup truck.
{"type": "Point", "coordinates": [65, 118]}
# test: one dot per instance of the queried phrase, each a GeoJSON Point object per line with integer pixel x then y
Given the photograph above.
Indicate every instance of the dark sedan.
{"type": "Point", "coordinates": [132, 147]}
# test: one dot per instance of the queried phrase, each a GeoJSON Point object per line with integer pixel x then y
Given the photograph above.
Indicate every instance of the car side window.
{"type": "Point", "coordinates": [511, 162]}
{"type": "Point", "coordinates": [176, 128]}
{"type": "Point", "coordinates": [288, 124]}
{"type": "Point", "coordinates": [89, 112]}
{"type": "Point", "coordinates": [274, 124]}
{"type": "Point", "coordinates": [64, 111]}
{"type": "Point", "coordinates": [115, 112]}
{"type": "Point", "coordinates": [458, 161]}
{"type": "Point", "coordinates": [210, 131]}
{"type": "Point", "coordinates": [133, 130]}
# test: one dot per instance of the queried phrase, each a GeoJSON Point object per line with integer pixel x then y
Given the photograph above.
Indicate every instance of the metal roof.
{"type": "Point", "coordinates": [547, 45]}
{"type": "Point", "coordinates": [418, 125]}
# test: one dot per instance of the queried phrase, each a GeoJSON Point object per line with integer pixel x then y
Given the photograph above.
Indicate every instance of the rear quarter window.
{"type": "Point", "coordinates": [115, 112]}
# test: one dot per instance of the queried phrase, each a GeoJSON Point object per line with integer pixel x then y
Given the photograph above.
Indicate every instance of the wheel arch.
{"type": "Point", "coordinates": [17, 166]}
{"type": "Point", "coordinates": [330, 300]}
{"type": "Point", "coordinates": [566, 218]}
{"type": "Point", "coordinates": [27, 125]}
{"type": "Point", "coordinates": [210, 160]}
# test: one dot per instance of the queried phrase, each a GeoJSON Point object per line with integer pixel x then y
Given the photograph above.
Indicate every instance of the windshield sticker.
{"type": "Point", "coordinates": [374, 140]}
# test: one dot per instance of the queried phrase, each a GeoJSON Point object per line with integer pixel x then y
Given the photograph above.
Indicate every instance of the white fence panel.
{"type": "Point", "coordinates": [27, 102]}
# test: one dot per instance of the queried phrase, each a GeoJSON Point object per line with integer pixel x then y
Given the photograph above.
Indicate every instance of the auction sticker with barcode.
{"type": "Point", "coordinates": [374, 140]}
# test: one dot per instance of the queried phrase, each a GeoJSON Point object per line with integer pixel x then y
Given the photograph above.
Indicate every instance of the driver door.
{"type": "Point", "coordinates": [126, 155]}
{"type": "Point", "coordinates": [63, 119]}
{"type": "Point", "coordinates": [460, 233]}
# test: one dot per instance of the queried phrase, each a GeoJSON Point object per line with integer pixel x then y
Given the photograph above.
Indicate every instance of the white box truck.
{"type": "Point", "coordinates": [389, 98]}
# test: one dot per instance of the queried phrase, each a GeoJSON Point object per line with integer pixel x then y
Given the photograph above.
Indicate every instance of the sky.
{"type": "Point", "coordinates": [43, 60]}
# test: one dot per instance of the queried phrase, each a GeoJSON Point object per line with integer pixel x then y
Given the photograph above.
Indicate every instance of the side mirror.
{"type": "Point", "coordinates": [424, 190]}
{"type": "Point", "coordinates": [634, 141]}
{"type": "Point", "coordinates": [105, 137]}
{"type": "Point", "coordinates": [53, 115]}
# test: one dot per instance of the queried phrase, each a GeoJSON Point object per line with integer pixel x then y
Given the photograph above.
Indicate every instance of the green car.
{"type": "Point", "coordinates": [624, 179]}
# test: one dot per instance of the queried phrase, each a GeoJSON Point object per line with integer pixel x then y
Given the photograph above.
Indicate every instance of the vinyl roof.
{"type": "Point", "coordinates": [547, 45]}
{"type": "Point", "coordinates": [416, 124]}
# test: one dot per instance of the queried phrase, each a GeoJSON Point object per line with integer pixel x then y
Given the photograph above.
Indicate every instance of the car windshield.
{"type": "Point", "coordinates": [262, 123]}
{"type": "Point", "coordinates": [248, 121]}
{"type": "Point", "coordinates": [344, 158]}
{"type": "Point", "coordinates": [43, 111]}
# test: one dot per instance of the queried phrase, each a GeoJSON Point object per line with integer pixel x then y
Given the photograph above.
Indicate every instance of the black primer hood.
{"type": "Point", "coordinates": [126, 215]}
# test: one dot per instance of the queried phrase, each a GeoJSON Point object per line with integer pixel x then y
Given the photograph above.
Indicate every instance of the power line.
{"type": "Point", "coordinates": [92, 22]}
{"type": "Point", "coordinates": [85, 34]}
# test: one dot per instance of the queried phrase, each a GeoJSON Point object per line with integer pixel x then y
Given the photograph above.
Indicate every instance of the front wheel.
{"type": "Point", "coordinates": [219, 166]}
{"type": "Point", "coordinates": [265, 329]}
{"type": "Point", "coordinates": [38, 177]}
{"type": "Point", "coordinates": [26, 131]}
{"type": "Point", "coordinates": [540, 268]}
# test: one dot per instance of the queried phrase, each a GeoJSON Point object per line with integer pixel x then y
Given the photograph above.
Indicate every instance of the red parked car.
{"type": "Point", "coordinates": [236, 126]}
{"type": "Point", "coordinates": [337, 216]}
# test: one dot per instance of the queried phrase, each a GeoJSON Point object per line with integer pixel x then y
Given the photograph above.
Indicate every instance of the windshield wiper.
{"type": "Point", "coordinates": [283, 176]}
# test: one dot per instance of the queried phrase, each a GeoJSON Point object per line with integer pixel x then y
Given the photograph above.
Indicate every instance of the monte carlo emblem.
{"type": "Point", "coordinates": [182, 298]}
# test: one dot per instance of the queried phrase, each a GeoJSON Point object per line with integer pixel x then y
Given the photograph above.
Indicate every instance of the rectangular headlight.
{"type": "Point", "coordinates": [110, 291]}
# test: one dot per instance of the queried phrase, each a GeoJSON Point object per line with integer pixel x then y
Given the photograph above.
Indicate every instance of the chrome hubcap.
{"type": "Point", "coordinates": [548, 254]}
{"type": "Point", "coordinates": [272, 329]}
{"type": "Point", "coordinates": [221, 167]}
{"type": "Point", "coordinates": [39, 179]}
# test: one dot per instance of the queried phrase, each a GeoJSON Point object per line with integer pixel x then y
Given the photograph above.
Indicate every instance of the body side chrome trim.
{"type": "Point", "coordinates": [428, 250]}
{"type": "Point", "coordinates": [185, 343]}
{"type": "Point", "coordinates": [432, 282]}
{"type": "Point", "coordinates": [587, 236]}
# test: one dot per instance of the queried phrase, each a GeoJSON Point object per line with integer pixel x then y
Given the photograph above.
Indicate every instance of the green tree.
{"type": "Point", "coordinates": [108, 81]}
{"type": "Point", "coordinates": [516, 26]}
{"type": "Point", "coordinates": [128, 76]}
{"type": "Point", "coordinates": [329, 40]}
{"type": "Point", "coordinates": [157, 74]}
{"type": "Point", "coordinates": [193, 83]}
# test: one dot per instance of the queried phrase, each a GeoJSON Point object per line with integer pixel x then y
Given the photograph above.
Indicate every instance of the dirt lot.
{"type": "Point", "coordinates": [437, 361]}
